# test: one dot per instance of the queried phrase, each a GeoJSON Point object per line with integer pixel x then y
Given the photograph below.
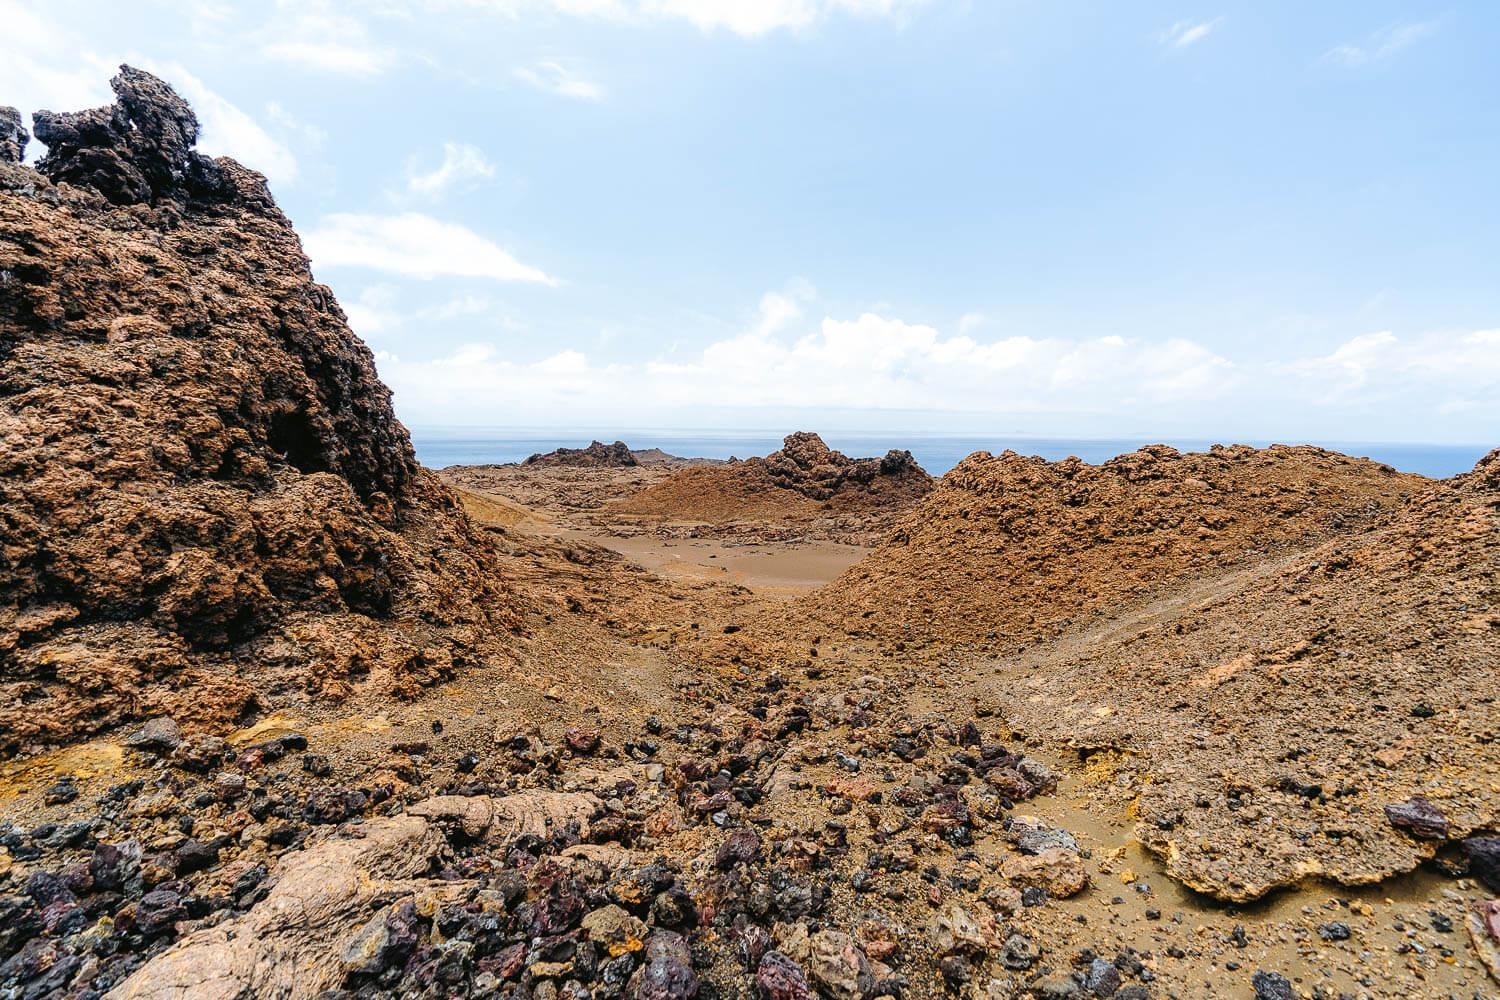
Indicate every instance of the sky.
{"type": "Point", "coordinates": [1233, 220]}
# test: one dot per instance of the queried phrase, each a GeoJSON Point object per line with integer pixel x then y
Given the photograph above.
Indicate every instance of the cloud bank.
{"type": "Point", "coordinates": [1372, 387]}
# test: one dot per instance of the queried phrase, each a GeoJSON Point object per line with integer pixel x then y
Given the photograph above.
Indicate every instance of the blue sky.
{"type": "Point", "coordinates": [1255, 220]}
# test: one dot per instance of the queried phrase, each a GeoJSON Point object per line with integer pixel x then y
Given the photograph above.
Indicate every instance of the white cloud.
{"type": "Point", "coordinates": [1185, 33]}
{"type": "Point", "coordinates": [866, 363]}
{"type": "Point", "coordinates": [462, 165]}
{"type": "Point", "coordinates": [558, 79]}
{"type": "Point", "coordinates": [749, 18]}
{"type": "Point", "coordinates": [1371, 387]}
{"type": "Point", "coordinates": [1463, 370]}
{"type": "Point", "coordinates": [969, 321]}
{"type": "Point", "coordinates": [1381, 45]}
{"type": "Point", "coordinates": [415, 245]}
{"type": "Point", "coordinates": [376, 313]}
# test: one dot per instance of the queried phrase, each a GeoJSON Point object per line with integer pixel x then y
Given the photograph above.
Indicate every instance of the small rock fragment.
{"type": "Point", "coordinates": [160, 735]}
{"type": "Point", "coordinates": [1419, 817]}
{"type": "Point", "coordinates": [1271, 986]}
{"type": "Point", "coordinates": [1058, 872]}
{"type": "Point", "coordinates": [780, 978]}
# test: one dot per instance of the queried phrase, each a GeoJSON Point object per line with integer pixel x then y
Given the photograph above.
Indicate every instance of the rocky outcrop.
{"type": "Point", "coordinates": [805, 482]}
{"type": "Point", "coordinates": [808, 466]}
{"type": "Point", "coordinates": [139, 149]}
{"type": "Point", "coordinates": [290, 944]}
{"type": "Point", "coordinates": [596, 456]}
{"type": "Point", "coordinates": [13, 136]}
{"type": "Point", "coordinates": [205, 498]}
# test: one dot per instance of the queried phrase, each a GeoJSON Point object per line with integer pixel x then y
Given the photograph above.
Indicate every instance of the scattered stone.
{"type": "Point", "coordinates": [1272, 986]}
{"type": "Point", "coordinates": [666, 978]}
{"type": "Point", "coordinates": [838, 966]}
{"type": "Point", "coordinates": [160, 735]}
{"type": "Point", "coordinates": [740, 847]}
{"type": "Point", "coordinates": [1019, 953]}
{"type": "Point", "coordinates": [955, 970]}
{"type": "Point", "coordinates": [1334, 931]}
{"type": "Point", "coordinates": [1058, 872]}
{"type": "Point", "coordinates": [112, 865]}
{"type": "Point", "coordinates": [1484, 860]}
{"type": "Point", "coordinates": [229, 786]}
{"type": "Point", "coordinates": [956, 930]}
{"type": "Point", "coordinates": [200, 753]}
{"type": "Point", "coordinates": [1419, 817]}
{"type": "Point", "coordinates": [63, 792]}
{"type": "Point", "coordinates": [615, 929]}
{"type": "Point", "coordinates": [581, 740]}
{"type": "Point", "coordinates": [780, 978]}
{"type": "Point", "coordinates": [1102, 978]}
{"type": "Point", "coordinates": [1032, 836]}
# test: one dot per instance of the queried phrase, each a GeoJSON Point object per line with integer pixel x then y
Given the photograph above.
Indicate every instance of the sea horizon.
{"type": "Point", "coordinates": [440, 447]}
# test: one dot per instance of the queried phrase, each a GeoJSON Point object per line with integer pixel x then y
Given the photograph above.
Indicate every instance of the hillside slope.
{"type": "Point", "coordinates": [1269, 653]}
{"type": "Point", "coordinates": [1019, 546]}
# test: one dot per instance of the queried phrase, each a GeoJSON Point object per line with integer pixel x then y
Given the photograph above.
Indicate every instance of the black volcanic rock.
{"type": "Point", "coordinates": [139, 149]}
{"type": "Point", "coordinates": [13, 136]}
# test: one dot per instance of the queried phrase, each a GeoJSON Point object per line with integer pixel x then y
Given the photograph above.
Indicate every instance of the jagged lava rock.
{"type": "Point", "coordinates": [205, 498]}
{"type": "Point", "coordinates": [803, 480]}
{"type": "Point", "coordinates": [596, 456]}
{"type": "Point", "coordinates": [13, 136]}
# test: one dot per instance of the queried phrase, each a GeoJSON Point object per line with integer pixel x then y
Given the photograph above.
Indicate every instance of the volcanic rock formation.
{"type": "Point", "coordinates": [597, 455]}
{"type": "Point", "coordinates": [205, 498]}
{"type": "Point", "coordinates": [13, 136]}
{"type": "Point", "coordinates": [803, 477]}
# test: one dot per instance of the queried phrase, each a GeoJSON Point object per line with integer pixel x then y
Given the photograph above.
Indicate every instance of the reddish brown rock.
{"type": "Point", "coordinates": [204, 493]}
{"type": "Point", "coordinates": [1056, 871]}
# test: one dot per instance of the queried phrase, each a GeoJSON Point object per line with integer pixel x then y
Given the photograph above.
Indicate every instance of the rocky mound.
{"type": "Point", "coordinates": [802, 479]}
{"type": "Point", "coordinates": [1326, 712]}
{"type": "Point", "coordinates": [596, 456]}
{"type": "Point", "coordinates": [205, 498]}
{"type": "Point", "coordinates": [1013, 548]}
{"type": "Point", "coordinates": [1281, 661]}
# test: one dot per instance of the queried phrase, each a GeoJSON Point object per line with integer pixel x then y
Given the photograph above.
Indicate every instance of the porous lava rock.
{"type": "Point", "coordinates": [802, 479]}
{"type": "Point", "coordinates": [596, 456]}
{"type": "Point", "coordinates": [13, 136]}
{"type": "Point", "coordinates": [206, 500]}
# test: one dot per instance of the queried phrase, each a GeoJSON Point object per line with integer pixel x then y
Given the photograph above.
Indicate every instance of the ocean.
{"type": "Point", "coordinates": [442, 446]}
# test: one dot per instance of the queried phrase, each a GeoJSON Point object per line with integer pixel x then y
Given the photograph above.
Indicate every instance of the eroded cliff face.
{"type": "Point", "coordinates": [206, 500]}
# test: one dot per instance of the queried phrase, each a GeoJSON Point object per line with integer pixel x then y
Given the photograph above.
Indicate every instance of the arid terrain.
{"type": "Point", "coordinates": [285, 714]}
